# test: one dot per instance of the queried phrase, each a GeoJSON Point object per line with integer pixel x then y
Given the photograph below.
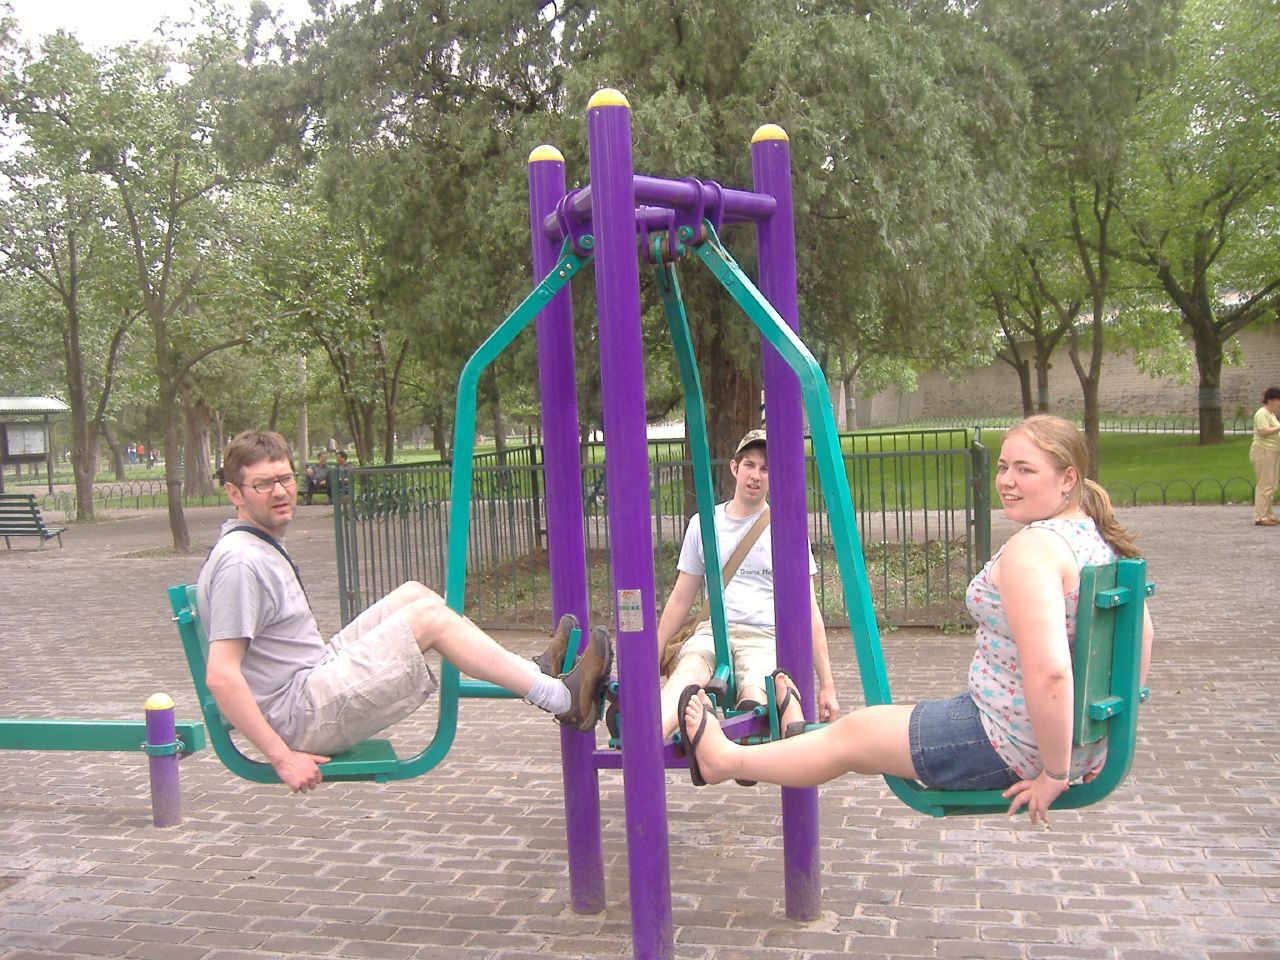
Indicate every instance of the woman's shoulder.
{"type": "Point", "coordinates": [1046, 541]}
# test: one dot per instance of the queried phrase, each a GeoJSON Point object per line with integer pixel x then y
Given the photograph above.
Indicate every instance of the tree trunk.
{"type": "Point", "coordinates": [197, 479]}
{"type": "Point", "coordinates": [1042, 384]}
{"type": "Point", "coordinates": [1023, 369]}
{"type": "Point", "coordinates": [117, 451]}
{"type": "Point", "coordinates": [439, 432]}
{"type": "Point", "coordinates": [172, 466]}
{"type": "Point", "coordinates": [1089, 382]}
{"type": "Point", "coordinates": [1209, 363]}
{"type": "Point", "coordinates": [730, 386]}
{"type": "Point", "coordinates": [84, 461]}
{"type": "Point", "coordinates": [217, 439]}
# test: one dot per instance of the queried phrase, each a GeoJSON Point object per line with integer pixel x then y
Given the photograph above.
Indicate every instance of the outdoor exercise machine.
{"type": "Point", "coordinates": [599, 225]}
{"type": "Point", "coordinates": [160, 736]}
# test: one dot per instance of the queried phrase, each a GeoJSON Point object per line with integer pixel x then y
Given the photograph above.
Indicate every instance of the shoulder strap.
{"type": "Point", "coordinates": [745, 545]}
{"type": "Point", "coordinates": [267, 538]}
{"type": "Point", "coordinates": [739, 554]}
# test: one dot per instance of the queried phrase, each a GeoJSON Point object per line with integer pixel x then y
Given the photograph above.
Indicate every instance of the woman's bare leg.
{"type": "Point", "coordinates": [874, 740]}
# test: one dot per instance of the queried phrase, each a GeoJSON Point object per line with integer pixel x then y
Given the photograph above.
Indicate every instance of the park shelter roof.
{"type": "Point", "coordinates": [30, 406]}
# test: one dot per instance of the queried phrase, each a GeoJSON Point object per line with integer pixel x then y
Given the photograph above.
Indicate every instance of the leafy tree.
{"type": "Point", "coordinates": [1086, 97]}
{"type": "Point", "coordinates": [55, 235]}
{"type": "Point", "coordinates": [1200, 208]}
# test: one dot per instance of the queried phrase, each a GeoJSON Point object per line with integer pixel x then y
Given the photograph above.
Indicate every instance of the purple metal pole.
{"type": "Point", "coordinates": [166, 796]}
{"type": "Point", "coordinates": [566, 536]}
{"type": "Point", "coordinates": [784, 416]}
{"type": "Point", "coordinates": [627, 484]}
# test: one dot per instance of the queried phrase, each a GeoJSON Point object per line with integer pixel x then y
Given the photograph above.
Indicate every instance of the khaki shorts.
{"type": "Point", "coordinates": [376, 677]}
{"type": "Point", "coordinates": [753, 650]}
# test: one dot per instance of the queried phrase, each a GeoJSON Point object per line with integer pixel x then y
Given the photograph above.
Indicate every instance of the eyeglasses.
{"type": "Point", "coordinates": [267, 485]}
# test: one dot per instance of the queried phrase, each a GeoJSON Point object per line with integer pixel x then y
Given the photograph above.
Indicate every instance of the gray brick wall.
{"type": "Point", "coordinates": [992, 390]}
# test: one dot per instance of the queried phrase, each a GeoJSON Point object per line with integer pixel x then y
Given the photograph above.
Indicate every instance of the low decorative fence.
{"type": "Point", "coordinates": [921, 504]}
{"type": "Point", "coordinates": [126, 495]}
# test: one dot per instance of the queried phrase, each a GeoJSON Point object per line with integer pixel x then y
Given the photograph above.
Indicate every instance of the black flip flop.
{"type": "Point", "coordinates": [744, 706]}
{"type": "Point", "coordinates": [691, 743]}
{"type": "Point", "coordinates": [797, 726]}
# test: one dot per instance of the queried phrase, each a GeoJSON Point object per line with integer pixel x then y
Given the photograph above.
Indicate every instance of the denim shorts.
{"type": "Point", "coordinates": [950, 749]}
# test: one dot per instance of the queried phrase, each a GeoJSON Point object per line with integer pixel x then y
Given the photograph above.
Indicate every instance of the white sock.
{"type": "Point", "coordinates": [549, 693]}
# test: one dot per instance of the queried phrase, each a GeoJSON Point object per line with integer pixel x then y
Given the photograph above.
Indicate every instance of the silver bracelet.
{"type": "Point", "coordinates": [1057, 776]}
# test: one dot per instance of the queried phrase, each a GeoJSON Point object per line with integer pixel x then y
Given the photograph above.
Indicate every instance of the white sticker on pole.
{"type": "Point", "coordinates": [630, 611]}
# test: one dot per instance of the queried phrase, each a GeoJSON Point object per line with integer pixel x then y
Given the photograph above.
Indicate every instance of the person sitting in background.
{"type": "Point", "coordinates": [317, 479]}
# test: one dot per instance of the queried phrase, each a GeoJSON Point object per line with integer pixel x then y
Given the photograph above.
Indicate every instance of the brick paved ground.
{"type": "Point", "coordinates": [469, 862]}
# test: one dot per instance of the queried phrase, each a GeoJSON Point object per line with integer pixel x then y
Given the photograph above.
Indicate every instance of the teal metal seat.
{"type": "Point", "coordinates": [369, 760]}
{"type": "Point", "coordinates": [1107, 663]}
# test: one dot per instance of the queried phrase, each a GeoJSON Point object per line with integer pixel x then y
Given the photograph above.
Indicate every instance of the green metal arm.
{"type": "Point", "coordinates": [567, 267]}
{"type": "Point", "coordinates": [695, 418]}
{"type": "Point", "coordinates": [826, 449]}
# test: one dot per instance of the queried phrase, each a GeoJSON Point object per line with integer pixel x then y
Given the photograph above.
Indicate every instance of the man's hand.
{"type": "Point", "coordinates": [300, 771]}
{"type": "Point", "coordinates": [828, 705]}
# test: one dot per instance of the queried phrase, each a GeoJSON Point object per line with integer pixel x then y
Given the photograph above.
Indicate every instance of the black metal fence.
{"type": "Point", "coordinates": [922, 513]}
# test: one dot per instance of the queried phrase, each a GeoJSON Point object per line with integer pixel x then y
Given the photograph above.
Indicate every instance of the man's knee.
{"type": "Point", "coordinates": [428, 615]}
{"type": "Point", "coordinates": [690, 668]}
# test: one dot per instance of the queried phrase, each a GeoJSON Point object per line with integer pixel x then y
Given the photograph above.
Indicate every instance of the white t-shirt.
{"type": "Point", "coordinates": [748, 598]}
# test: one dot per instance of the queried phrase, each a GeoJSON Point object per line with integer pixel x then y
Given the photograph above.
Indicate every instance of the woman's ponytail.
{"type": "Point", "coordinates": [1097, 504]}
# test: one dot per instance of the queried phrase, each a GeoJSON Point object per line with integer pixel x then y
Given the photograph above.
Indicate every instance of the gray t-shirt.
{"type": "Point", "coordinates": [246, 589]}
{"type": "Point", "coordinates": [748, 598]}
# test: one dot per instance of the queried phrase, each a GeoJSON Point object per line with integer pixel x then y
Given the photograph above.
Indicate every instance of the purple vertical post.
{"type": "Point", "coordinates": [627, 485]}
{"type": "Point", "coordinates": [162, 731]}
{"type": "Point", "coordinates": [784, 417]}
{"type": "Point", "coordinates": [566, 536]}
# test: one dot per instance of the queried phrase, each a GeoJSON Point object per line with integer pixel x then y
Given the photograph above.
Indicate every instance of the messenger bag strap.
{"type": "Point", "coordinates": [739, 554]}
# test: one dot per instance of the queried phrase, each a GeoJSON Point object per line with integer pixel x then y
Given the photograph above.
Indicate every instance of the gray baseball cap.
{"type": "Point", "coordinates": [751, 436]}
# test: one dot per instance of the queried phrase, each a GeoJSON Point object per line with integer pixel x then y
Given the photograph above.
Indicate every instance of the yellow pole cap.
{"type": "Point", "coordinates": [546, 152]}
{"type": "Point", "coordinates": [770, 131]}
{"type": "Point", "coordinates": [607, 97]}
{"type": "Point", "coordinates": [159, 701]}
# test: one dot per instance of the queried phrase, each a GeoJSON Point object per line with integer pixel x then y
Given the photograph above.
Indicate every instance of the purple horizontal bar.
{"type": "Point", "coordinates": [673, 757]}
{"type": "Point", "coordinates": [657, 196]}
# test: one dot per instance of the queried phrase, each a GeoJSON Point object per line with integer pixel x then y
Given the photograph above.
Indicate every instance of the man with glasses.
{"type": "Point", "coordinates": [299, 698]}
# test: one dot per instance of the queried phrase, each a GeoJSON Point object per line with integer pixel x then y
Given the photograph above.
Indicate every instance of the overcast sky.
{"type": "Point", "coordinates": [104, 23]}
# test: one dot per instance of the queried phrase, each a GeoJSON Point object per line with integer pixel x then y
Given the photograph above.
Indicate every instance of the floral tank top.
{"type": "Point", "coordinates": [995, 676]}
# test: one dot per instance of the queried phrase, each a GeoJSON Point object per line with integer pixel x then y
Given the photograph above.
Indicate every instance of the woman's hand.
{"type": "Point", "coordinates": [1037, 795]}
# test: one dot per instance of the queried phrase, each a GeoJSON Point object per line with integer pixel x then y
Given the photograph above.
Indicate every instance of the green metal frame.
{"type": "Point", "coordinates": [695, 418]}
{"type": "Point", "coordinates": [99, 736]}
{"type": "Point", "coordinates": [376, 759]}
{"type": "Point", "coordinates": [1109, 696]}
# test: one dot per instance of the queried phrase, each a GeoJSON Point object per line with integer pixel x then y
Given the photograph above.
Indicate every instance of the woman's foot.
{"type": "Point", "coordinates": [714, 750]}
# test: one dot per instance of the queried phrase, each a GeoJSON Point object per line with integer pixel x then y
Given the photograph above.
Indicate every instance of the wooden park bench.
{"type": "Point", "coordinates": [20, 517]}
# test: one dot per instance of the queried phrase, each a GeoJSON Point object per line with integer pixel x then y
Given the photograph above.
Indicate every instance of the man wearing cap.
{"type": "Point", "coordinates": [748, 598]}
